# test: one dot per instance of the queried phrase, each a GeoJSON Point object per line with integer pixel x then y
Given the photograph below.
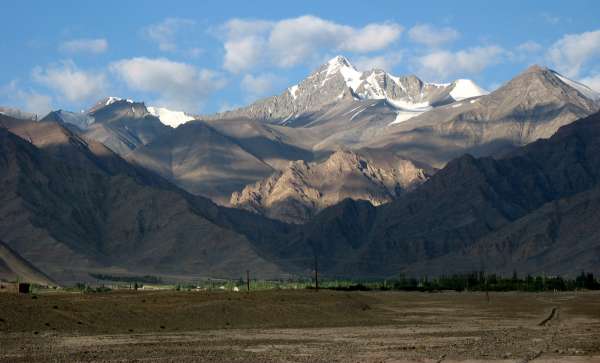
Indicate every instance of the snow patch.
{"type": "Point", "coordinates": [110, 100]}
{"type": "Point", "coordinates": [358, 113]}
{"type": "Point", "coordinates": [342, 65]}
{"type": "Point", "coordinates": [169, 117]}
{"type": "Point", "coordinates": [402, 116]}
{"type": "Point", "coordinates": [406, 105]}
{"type": "Point", "coordinates": [292, 90]}
{"type": "Point", "coordinates": [581, 88]}
{"type": "Point", "coordinates": [465, 88]}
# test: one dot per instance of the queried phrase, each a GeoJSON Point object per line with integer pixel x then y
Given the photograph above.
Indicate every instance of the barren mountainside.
{"type": "Point", "coordinates": [472, 202]}
{"type": "Point", "coordinates": [71, 206]}
{"type": "Point", "coordinates": [298, 192]}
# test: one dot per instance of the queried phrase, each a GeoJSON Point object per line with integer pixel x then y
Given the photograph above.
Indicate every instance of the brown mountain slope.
{"type": "Point", "coordinates": [72, 206]}
{"type": "Point", "coordinates": [460, 205]}
{"type": "Point", "coordinates": [560, 238]}
{"type": "Point", "coordinates": [202, 161]}
{"type": "Point", "coordinates": [533, 105]}
{"type": "Point", "coordinates": [301, 190]}
{"type": "Point", "coordinates": [14, 267]}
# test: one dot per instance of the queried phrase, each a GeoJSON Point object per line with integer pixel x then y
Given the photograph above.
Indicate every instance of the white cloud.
{"type": "Point", "coordinates": [300, 40]}
{"type": "Point", "coordinates": [29, 101]}
{"type": "Point", "coordinates": [550, 18]}
{"type": "Point", "coordinates": [262, 85]}
{"type": "Point", "coordinates": [72, 83]}
{"type": "Point", "coordinates": [94, 46]}
{"type": "Point", "coordinates": [177, 85]}
{"type": "Point", "coordinates": [573, 51]}
{"type": "Point", "coordinates": [194, 52]}
{"type": "Point", "coordinates": [529, 47]}
{"type": "Point", "coordinates": [386, 62]}
{"type": "Point", "coordinates": [245, 43]}
{"type": "Point", "coordinates": [372, 37]}
{"type": "Point", "coordinates": [592, 81]}
{"type": "Point", "coordinates": [463, 62]}
{"type": "Point", "coordinates": [243, 54]}
{"type": "Point", "coordinates": [165, 32]}
{"type": "Point", "coordinates": [37, 103]}
{"type": "Point", "coordinates": [431, 36]}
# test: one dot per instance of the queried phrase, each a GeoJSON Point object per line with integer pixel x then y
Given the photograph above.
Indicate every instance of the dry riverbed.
{"type": "Point", "coordinates": [301, 326]}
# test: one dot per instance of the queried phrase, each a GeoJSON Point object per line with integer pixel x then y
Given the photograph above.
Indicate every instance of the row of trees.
{"type": "Point", "coordinates": [479, 281]}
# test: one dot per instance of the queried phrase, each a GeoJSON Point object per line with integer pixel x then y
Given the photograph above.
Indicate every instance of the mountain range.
{"type": "Point", "coordinates": [375, 175]}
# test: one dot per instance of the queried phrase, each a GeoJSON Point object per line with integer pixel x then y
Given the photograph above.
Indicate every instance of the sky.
{"type": "Point", "coordinates": [209, 56]}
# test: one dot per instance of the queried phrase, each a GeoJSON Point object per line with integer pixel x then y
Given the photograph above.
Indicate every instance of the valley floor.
{"type": "Point", "coordinates": [301, 326]}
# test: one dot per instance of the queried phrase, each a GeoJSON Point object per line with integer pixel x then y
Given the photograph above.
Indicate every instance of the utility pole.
{"type": "Point", "coordinates": [487, 292]}
{"type": "Point", "coordinates": [316, 273]}
{"type": "Point", "coordinates": [248, 280]}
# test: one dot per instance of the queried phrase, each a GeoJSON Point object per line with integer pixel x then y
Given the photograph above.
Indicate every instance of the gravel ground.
{"type": "Point", "coordinates": [301, 326]}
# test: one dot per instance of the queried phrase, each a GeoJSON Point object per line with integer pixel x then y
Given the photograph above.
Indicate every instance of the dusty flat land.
{"type": "Point", "coordinates": [301, 326]}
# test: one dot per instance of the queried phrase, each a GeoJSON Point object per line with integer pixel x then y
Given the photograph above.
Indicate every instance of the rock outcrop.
{"type": "Point", "coordinates": [298, 192]}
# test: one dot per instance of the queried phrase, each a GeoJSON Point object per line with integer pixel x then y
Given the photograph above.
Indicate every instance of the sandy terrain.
{"type": "Point", "coordinates": [301, 326]}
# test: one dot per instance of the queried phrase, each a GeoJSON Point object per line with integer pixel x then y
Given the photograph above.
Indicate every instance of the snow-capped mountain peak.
{"type": "Point", "coordinates": [338, 80]}
{"type": "Point", "coordinates": [465, 88]}
{"type": "Point", "coordinates": [170, 117]}
{"type": "Point", "coordinates": [339, 61]}
{"type": "Point", "coordinates": [111, 99]}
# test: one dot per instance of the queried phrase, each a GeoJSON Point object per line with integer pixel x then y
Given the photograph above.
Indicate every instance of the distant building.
{"type": "Point", "coordinates": [24, 287]}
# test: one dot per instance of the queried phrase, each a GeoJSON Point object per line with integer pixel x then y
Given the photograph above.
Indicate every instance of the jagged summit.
{"type": "Point", "coordinates": [298, 192]}
{"type": "Point", "coordinates": [107, 101]}
{"type": "Point", "coordinates": [340, 60]}
{"type": "Point", "coordinates": [338, 81]}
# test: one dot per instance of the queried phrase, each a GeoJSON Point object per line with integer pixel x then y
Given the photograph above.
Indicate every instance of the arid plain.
{"type": "Point", "coordinates": [301, 326]}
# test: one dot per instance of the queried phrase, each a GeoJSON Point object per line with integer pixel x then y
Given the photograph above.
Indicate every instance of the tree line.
{"type": "Point", "coordinates": [476, 281]}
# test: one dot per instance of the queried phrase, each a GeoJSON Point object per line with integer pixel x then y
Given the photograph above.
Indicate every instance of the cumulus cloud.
{"type": "Point", "coordinates": [29, 100]}
{"type": "Point", "coordinates": [94, 46]}
{"type": "Point", "coordinates": [245, 43]}
{"type": "Point", "coordinates": [592, 81]}
{"type": "Point", "coordinates": [177, 85]}
{"type": "Point", "coordinates": [259, 86]}
{"type": "Point", "coordinates": [294, 41]}
{"type": "Point", "coordinates": [431, 36]}
{"type": "Point", "coordinates": [165, 33]}
{"type": "Point", "coordinates": [529, 47]}
{"type": "Point", "coordinates": [463, 62]}
{"type": "Point", "coordinates": [386, 62]}
{"type": "Point", "coordinates": [71, 82]}
{"type": "Point", "coordinates": [573, 51]}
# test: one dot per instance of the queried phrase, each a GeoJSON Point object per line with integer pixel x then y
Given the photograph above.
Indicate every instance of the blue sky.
{"type": "Point", "coordinates": [204, 57]}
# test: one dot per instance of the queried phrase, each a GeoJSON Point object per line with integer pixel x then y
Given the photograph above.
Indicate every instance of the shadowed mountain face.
{"type": "Point", "coordinates": [201, 160]}
{"type": "Point", "coordinates": [336, 107]}
{"type": "Point", "coordinates": [468, 206]}
{"type": "Point", "coordinates": [533, 105]}
{"type": "Point", "coordinates": [15, 268]}
{"type": "Point", "coordinates": [295, 194]}
{"type": "Point", "coordinates": [70, 206]}
{"type": "Point", "coordinates": [121, 125]}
